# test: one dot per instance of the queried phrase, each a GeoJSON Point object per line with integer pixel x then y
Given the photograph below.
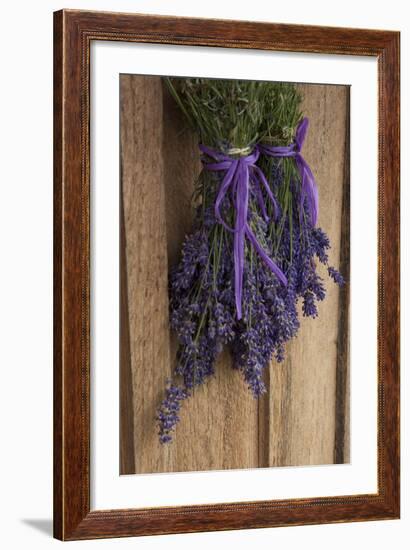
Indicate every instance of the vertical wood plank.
{"type": "Point", "coordinates": [127, 455]}
{"type": "Point", "coordinates": [302, 390]}
{"type": "Point", "coordinates": [146, 261]}
{"type": "Point", "coordinates": [342, 412]}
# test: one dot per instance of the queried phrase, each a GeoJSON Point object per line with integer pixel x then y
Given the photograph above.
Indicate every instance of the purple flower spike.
{"type": "Point", "coordinates": [336, 276]}
{"type": "Point", "coordinates": [168, 412]}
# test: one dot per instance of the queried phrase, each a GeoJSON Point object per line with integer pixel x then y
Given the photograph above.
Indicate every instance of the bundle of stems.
{"type": "Point", "coordinates": [299, 241]}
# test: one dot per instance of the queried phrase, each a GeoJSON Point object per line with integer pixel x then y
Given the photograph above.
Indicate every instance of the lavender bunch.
{"type": "Point", "coordinates": [233, 117]}
{"type": "Point", "coordinates": [299, 243]}
{"type": "Point", "coordinates": [227, 116]}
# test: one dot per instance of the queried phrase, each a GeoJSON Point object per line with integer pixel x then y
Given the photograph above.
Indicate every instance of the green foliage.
{"type": "Point", "coordinates": [236, 114]}
{"type": "Point", "coordinates": [281, 114]}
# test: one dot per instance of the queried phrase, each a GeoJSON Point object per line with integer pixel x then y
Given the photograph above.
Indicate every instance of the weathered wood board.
{"type": "Point", "coordinates": [303, 419]}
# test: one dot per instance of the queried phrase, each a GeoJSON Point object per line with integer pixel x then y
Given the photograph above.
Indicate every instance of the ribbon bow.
{"type": "Point", "coordinates": [239, 172]}
{"type": "Point", "coordinates": [308, 184]}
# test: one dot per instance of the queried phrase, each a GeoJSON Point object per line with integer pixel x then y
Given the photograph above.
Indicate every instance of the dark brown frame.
{"type": "Point", "coordinates": [73, 33]}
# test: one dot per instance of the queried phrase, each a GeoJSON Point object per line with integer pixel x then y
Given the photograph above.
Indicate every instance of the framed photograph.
{"type": "Point", "coordinates": [226, 275]}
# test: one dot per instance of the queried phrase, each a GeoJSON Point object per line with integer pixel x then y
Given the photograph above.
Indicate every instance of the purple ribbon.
{"type": "Point", "coordinates": [308, 184]}
{"type": "Point", "coordinates": [239, 173]}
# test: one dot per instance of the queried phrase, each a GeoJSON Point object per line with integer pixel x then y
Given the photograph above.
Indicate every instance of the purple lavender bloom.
{"type": "Point", "coordinates": [309, 305]}
{"type": "Point", "coordinates": [336, 276]}
{"type": "Point", "coordinates": [202, 310]}
{"type": "Point", "coordinates": [298, 245]}
{"type": "Point", "coordinates": [168, 415]}
{"type": "Point", "coordinates": [269, 314]}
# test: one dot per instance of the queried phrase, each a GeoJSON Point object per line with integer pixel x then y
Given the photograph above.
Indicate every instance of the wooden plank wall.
{"type": "Point", "coordinates": [303, 419]}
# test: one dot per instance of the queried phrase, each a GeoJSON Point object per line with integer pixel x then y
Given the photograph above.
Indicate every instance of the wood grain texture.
{"type": "Point", "coordinates": [342, 413]}
{"type": "Point", "coordinates": [127, 453]}
{"type": "Point", "coordinates": [303, 403]}
{"type": "Point", "coordinates": [222, 425]}
{"type": "Point", "coordinates": [73, 33]}
{"type": "Point", "coordinates": [146, 258]}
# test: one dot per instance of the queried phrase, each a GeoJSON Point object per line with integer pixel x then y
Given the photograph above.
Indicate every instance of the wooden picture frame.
{"type": "Point", "coordinates": [74, 32]}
